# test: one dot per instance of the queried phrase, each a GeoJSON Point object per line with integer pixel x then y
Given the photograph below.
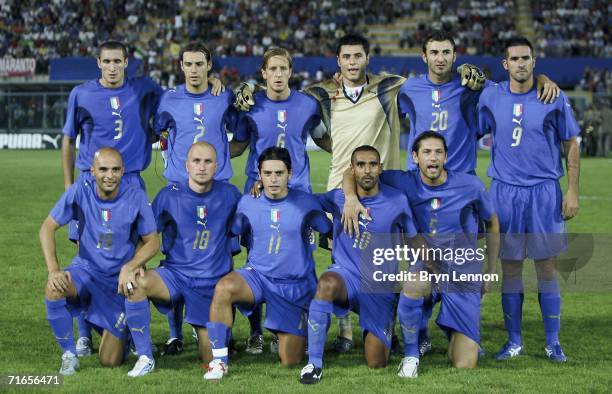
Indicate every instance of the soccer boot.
{"type": "Point", "coordinates": [408, 367]}
{"type": "Point", "coordinates": [310, 374]}
{"type": "Point", "coordinates": [70, 363]}
{"type": "Point", "coordinates": [509, 350]}
{"type": "Point", "coordinates": [172, 347]}
{"type": "Point", "coordinates": [83, 347]}
{"type": "Point", "coordinates": [425, 347]}
{"type": "Point", "coordinates": [215, 370]}
{"type": "Point", "coordinates": [554, 352]}
{"type": "Point", "coordinates": [143, 366]}
{"type": "Point", "coordinates": [342, 345]}
{"type": "Point", "coordinates": [274, 345]}
{"type": "Point", "coordinates": [255, 344]}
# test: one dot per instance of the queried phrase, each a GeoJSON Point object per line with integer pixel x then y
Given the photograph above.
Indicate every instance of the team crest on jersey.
{"type": "Point", "coordinates": [106, 214]}
{"type": "Point", "coordinates": [275, 215]}
{"type": "Point", "coordinates": [201, 212]}
{"type": "Point", "coordinates": [115, 103]}
{"type": "Point", "coordinates": [436, 203]}
{"type": "Point", "coordinates": [436, 95]}
{"type": "Point", "coordinates": [517, 111]}
{"type": "Point", "coordinates": [282, 115]}
{"type": "Point", "coordinates": [198, 108]}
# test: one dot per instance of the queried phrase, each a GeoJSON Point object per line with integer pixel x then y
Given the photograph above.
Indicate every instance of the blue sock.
{"type": "Point", "coordinates": [218, 334]}
{"type": "Point", "coordinates": [83, 325]}
{"type": "Point", "coordinates": [60, 321]}
{"type": "Point", "coordinates": [255, 320]}
{"type": "Point", "coordinates": [512, 306]}
{"type": "Point", "coordinates": [550, 304]}
{"type": "Point", "coordinates": [175, 321]}
{"type": "Point", "coordinates": [138, 316]}
{"type": "Point", "coordinates": [319, 318]}
{"type": "Point", "coordinates": [427, 312]}
{"type": "Point", "coordinates": [410, 315]}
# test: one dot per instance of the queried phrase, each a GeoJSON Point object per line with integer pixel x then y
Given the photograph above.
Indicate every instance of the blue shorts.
{"type": "Point", "coordinates": [99, 299]}
{"type": "Point", "coordinates": [287, 300]}
{"type": "Point", "coordinates": [460, 312]}
{"type": "Point", "coordinates": [530, 220]}
{"type": "Point", "coordinates": [196, 294]}
{"type": "Point", "coordinates": [85, 176]}
{"type": "Point", "coordinates": [376, 310]}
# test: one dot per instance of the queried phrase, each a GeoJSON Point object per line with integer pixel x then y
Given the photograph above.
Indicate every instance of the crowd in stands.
{"type": "Point", "coordinates": [573, 27]}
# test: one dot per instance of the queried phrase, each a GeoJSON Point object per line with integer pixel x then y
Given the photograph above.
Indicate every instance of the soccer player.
{"type": "Point", "coordinates": [114, 217]}
{"type": "Point", "coordinates": [280, 117]}
{"type": "Point", "coordinates": [193, 217]}
{"type": "Point", "coordinates": [112, 111]}
{"type": "Point", "coordinates": [190, 113]}
{"type": "Point", "coordinates": [283, 118]}
{"type": "Point", "coordinates": [439, 101]}
{"type": "Point", "coordinates": [342, 285]}
{"type": "Point", "coordinates": [447, 207]}
{"type": "Point", "coordinates": [525, 170]}
{"type": "Point", "coordinates": [280, 267]}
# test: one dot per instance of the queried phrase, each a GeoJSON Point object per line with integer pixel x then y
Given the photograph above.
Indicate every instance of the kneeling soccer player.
{"type": "Point", "coordinates": [193, 217]}
{"type": "Point", "coordinates": [447, 207]}
{"type": "Point", "coordinates": [344, 283]}
{"type": "Point", "coordinates": [115, 217]}
{"type": "Point", "coordinates": [280, 267]}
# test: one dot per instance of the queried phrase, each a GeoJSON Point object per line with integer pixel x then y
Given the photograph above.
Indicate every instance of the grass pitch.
{"type": "Point", "coordinates": [32, 182]}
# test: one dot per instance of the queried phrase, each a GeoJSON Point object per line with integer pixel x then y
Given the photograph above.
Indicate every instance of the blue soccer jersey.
{"type": "Point", "coordinates": [195, 228]}
{"type": "Point", "coordinates": [390, 213]}
{"type": "Point", "coordinates": [279, 232]}
{"type": "Point", "coordinates": [190, 118]}
{"type": "Point", "coordinates": [109, 229]}
{"type": "Point", "coordinates": [448, 108]}
{"type": "Point", "coordinates": [455, 207]}
{"type": "Point", "coordinates": [119, 118]}
{"type": "Point", "coordinates": [526, 134]}
{"type": "Point", "coordinates": [284, 123]}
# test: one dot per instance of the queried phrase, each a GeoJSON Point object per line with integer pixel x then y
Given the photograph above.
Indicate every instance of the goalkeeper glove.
{"type": "Point", "coordinates": [244, 97]}
{"type": "Point", "coordinates": [471, 76]}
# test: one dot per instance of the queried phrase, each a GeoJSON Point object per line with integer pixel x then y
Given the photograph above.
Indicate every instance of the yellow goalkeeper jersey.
{"type": "Point", "coordinates": [372, 118]}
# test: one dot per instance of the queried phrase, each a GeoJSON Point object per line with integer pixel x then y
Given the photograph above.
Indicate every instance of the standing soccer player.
{"type": "Point", "coordinates": [343, 283]}
{"type": "Point", "coordinates": [447, 207]}
{"type": "Point", "coordinates": [193, 217]}
{"type": "Point", "coordinates": [282, 118]}
{"type": "Point", "coordinates": [114, 216]}
{"type": "Point", "coordinates": [186, 115]}
{"type": "Point", "coordinates": [112, 111]}
{"type": "Point", "coordinates": [280, 267]}
{"type": "Point", "coordinates": [525, 170]}
{"type": "Point", "coordinates": [447, 102]}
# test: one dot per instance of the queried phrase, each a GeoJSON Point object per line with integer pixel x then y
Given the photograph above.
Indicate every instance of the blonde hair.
{"type": "Point", "coordinates": [276, 51]}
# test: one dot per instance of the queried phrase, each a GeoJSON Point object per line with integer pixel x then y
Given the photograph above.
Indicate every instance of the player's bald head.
{"type": "Point", "coordinates": [202, 146]}
{"type": "Point", "coordinates": [104, 154]}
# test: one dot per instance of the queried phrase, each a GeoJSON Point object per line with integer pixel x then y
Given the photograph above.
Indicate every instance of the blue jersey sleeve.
{"type": "Point", "coordinates": [71, 127]}
{"type": "Point", "coordinates": [232, 115]}
{"type": "Point", "coordinates": [146, 220]}
{"type": "Point", "coordinates": [159, 211]}
{"type": "Point", "coordinates": [163, 119]}
{"type": "Point", "coordinates": [66, 208]}
{"type": "Point", "coordinates": [393, 178]}
{"type": "Point", "coordinates": [408, 226]}
{"type": "Point", "coordinates": [319, 221]}
{"type": "Point", "coordinates": [328, 201]}
{"type": "Point", "coordinates": [240, 222]}
{"type": "Point", "coordinates": [567, 128]}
